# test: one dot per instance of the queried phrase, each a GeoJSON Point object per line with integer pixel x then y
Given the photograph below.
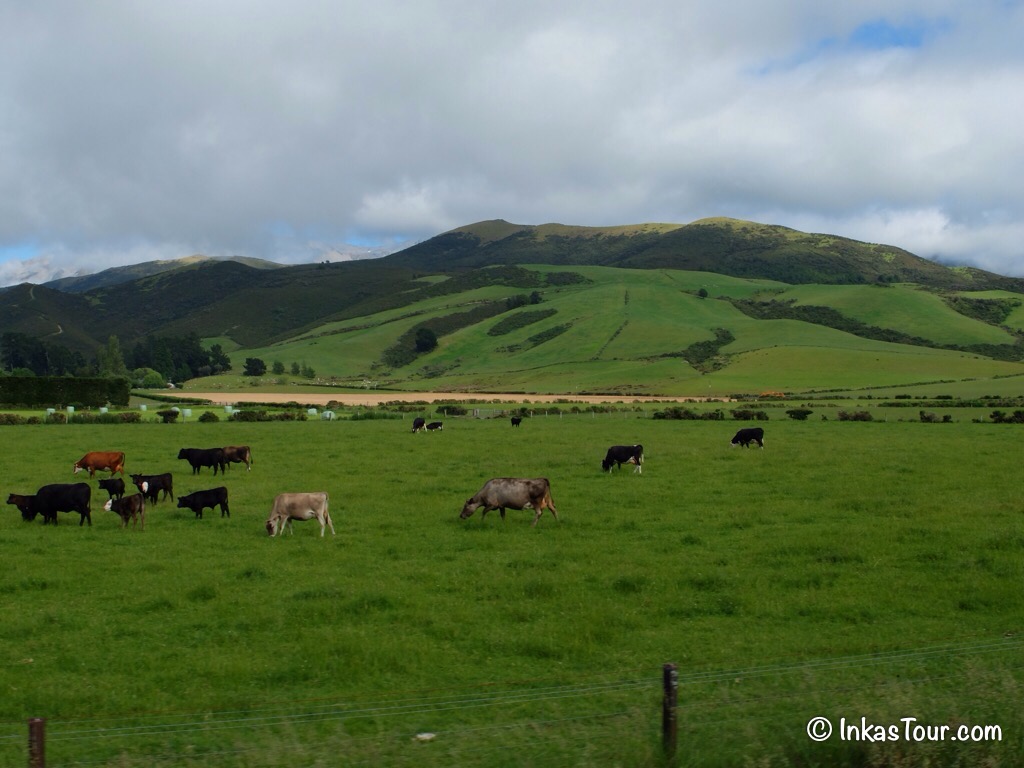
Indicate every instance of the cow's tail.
{"type": "Point", "coordinates": [548, 502]}
{"type": "Point", "coordinates": [327, 514]}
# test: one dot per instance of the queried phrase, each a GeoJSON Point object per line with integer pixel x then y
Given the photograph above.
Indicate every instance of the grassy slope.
{"type": "Point", "coordinates": [623, 326]}
{"type": "Point", "coordinates": [903, 308]}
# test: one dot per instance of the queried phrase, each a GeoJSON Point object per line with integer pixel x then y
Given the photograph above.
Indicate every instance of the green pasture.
{"type": "Point", "coordinates": [1016, 317]}
{"type": "Point", "coordinates": [847, 570]}
{"type": "Point", "coordinates": [902, 307]}
{"type": "Point", "coordinates": [614, 331]}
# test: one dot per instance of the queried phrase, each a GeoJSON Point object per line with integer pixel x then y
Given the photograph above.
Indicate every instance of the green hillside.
{"type": "Point", "coordinates": [713, 307]}
{"type": "Point", "coordinates": [649, 332]}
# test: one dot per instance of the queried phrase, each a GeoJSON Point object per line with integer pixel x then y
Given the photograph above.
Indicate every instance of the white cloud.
{"type": "Point", "coordinates": [201, 127]}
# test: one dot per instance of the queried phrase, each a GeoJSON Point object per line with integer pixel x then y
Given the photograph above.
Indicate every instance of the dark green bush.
{"type": "Point", "coordinates": [745, 414]}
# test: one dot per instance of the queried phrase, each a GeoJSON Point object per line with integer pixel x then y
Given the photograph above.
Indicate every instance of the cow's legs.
{"type": "Point", "coordinates": [551, 506]}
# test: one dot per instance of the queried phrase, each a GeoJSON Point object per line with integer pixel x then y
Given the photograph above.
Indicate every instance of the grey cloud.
{"type": "Point", "coordinates": [208, 126]}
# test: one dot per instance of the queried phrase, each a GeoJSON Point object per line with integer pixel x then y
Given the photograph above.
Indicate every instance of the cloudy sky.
{"type": "Point", "coordinates": [132, 131]}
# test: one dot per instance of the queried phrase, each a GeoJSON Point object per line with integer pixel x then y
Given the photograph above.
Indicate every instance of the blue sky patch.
{"type": "Point", "coordinates": [874, 35]}
{"type": "Point", "coordinates": [20, 251]}
{"type": "Point", "coordinates": [880, 34]}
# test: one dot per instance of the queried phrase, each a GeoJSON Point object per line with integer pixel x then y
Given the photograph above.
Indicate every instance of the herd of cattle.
{"type": "Point", "coordinates": [76, 497]}
{"type": "Point", "coordinates": [499, 493]}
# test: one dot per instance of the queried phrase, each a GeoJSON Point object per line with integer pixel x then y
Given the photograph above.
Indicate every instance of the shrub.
{"type": "Point", "coordinates": [675, 412]}
{"type": "Point", "coordinates": [451, 410]}
{"type": "Point", "coordinates": [800, 414]}
{"type": "Point", "coordinates": [745, 414]}
{"type": "Point", "coordinates": [855, 416]}
{"type": "Point", "coordinates": [373, 413]}
{"type": "Point", "coordinates": [1001, 418]}
{"type": "Point", "coordinates": [247, 416]}
{"type": "Point", "coordinates": [168, 417]}
{"type": "Point", "coordinates": [208, 416]}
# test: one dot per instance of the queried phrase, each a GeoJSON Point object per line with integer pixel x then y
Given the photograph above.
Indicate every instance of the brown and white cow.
{"type": "Point", "coordinates": [238, 454]}
{"type": "Point", "coordinates": [110, 460]}
{"type": "Point", "coordinates": [513, 492]}
{"type": "Point", "coordinates": [129, 508]}
{"type": "Point", "coordinates": [298, 506]}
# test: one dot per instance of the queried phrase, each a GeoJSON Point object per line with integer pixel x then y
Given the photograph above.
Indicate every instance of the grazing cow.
{"type": "Point", "coordinates": [129, 508]}
{"type": "Point", "coordinates": [434, 426]}
{"type": "Point", "coordinates": [298, 506]}
{"type": "Point", "coordinates": [203, 457]}
{"type": "Point", "coordinates": [747, 436]}
{"type": "Point", "coordinates": [111, 460]}
{"type": "Point", "coordinates": [114, 486]}
{"type": "Point", "coordinates": [24, 505]}
{"type": "Point", "coordinates": [624, 454]}
{"type": "Point", "coordinates": [238, 454]}
{"type": "Point", "coordinates": [515, 493]}
{"type": "Point", "coordinates": [51, 499]}
{"type": "Point", "coordinates": [516, 421]}
{"type": "Point", "coordinates": [418, 423]}
{"type": "Point", "coordinates": [151, 485]}
{"type": "Point", "coordinates": [200, 500]}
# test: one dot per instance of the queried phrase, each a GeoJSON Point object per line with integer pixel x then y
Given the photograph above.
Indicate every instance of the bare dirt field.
{"type": "Point", "coordinates": [376, 398]}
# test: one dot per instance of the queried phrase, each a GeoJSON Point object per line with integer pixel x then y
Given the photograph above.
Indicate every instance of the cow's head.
{"type": "Point", "coordinates": [606, 465]}
{"type": "Point", "coordinates": [109, 505]}
{"type": "Point", "coordinates": [272, 526]}
{"type": "Point", "coordinates": [77, 468]}
{"type": "Point", "coordinates": [23, 503]}
{"type": "Point", "coordinates": [468, 509]}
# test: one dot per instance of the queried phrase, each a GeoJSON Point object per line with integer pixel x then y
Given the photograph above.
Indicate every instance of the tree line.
{"type": "Point", "coordinates": [150, 362]}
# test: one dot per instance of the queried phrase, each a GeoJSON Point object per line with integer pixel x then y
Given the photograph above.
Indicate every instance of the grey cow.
{"type": "Point", "coordinates": [512, 492]}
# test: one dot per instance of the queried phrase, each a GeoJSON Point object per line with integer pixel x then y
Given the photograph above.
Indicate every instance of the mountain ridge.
{"type": "Point", "coordinates": [257, 306]}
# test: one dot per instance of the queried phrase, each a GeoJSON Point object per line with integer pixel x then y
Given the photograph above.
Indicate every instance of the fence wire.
{"type": "Point", "coordinates": [632, 698]}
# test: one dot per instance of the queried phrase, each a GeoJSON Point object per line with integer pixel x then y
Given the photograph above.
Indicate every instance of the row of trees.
{"type": "Point", "coordinates": [255, 366]}
{"type": "Point", "coordinates": [170, 358]}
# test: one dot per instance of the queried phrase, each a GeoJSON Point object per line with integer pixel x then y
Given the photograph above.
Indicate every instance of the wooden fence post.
{"type": "Point", "coordinates": [37, 742]}
{"type": "Point", "coordinates": [670, 688]}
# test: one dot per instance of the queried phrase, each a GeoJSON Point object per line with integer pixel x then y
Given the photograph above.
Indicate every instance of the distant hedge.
{"type": "Point", "coordinates": [61, 391]}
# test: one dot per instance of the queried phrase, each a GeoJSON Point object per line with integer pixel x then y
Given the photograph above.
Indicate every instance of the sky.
{"type": "Point", "coordinates": [133, 131]}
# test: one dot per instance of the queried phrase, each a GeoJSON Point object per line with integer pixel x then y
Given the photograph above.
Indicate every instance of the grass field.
{"type": "Point", "coordinates": [848, 570]}
{"type": "Point", "coordinates": [624, 331]}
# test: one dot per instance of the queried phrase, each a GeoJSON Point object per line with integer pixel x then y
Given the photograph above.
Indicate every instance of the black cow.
{"type": "Point", "coordinates": [434, 426]}
{"type": "Point", "coordinates": [24, 505]}
{"type": "Point", "coordinates": [200, 500]}
{"type": "Point", "coordinates": [747, 436]}
{"type": "Point", "coordinates": [51, 499]}
{"type": "Point", "coordinates": [151, 485]}
{"type": "Point", "coordinates": [516, 421]}
{"type": "Point", "coordinates": [129, 508]}
{"type": "Point", "coordinates": [624, 454]}
{"type": "Point", "coordinates": [114, 486]}
{"type": "Point", "coordinates": [418, 423]}
{"type": "Point", "coordinates": [513, 492]}
{"type": "Point", "coordinates": [204, 457]}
